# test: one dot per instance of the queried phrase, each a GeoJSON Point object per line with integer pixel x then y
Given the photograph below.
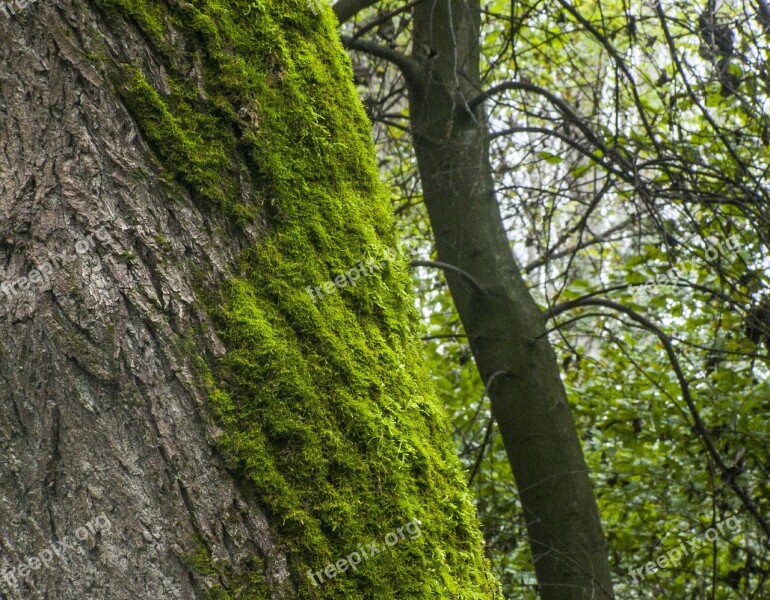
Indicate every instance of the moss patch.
{"type": "Point", "coordinates": [326, 406]}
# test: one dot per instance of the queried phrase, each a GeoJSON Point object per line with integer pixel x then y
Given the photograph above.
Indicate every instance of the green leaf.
{"type": "Point", "coordinates": [550, 157]}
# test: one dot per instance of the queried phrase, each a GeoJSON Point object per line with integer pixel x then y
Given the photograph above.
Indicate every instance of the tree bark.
{"type": "Point", "coordinates": [168, 381]}
{"type": "Point", "coordinates": [505, 327]}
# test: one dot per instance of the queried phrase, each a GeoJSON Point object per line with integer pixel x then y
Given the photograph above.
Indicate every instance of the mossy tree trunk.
{"type": "Point", "coordinates": [175, 377]}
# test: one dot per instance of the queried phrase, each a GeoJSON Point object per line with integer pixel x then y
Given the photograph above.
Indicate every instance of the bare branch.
{"type": "Point", "coordinates": [347, 9]}
{"type": "Point", "coordinates": [383, 18]}
{"type": "Point", "coordinates": [447, 336]}
{"type": "Point", "coordinates": [408, 66]}
{"type": "Point", "coordinates": [699, 425]}
{"type": "Point", "coordinates": [448, 267]}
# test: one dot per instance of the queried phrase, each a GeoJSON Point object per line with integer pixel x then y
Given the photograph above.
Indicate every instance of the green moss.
{"type": "Point", "coordinates": [192, 144]}
{"type": "Point", "coordinates": [326, 406]}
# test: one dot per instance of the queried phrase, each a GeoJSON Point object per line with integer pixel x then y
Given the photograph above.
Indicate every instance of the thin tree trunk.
{"type": "Point", "coordinates": [504, 325]}
{"type": "Point", "coordinates": [169, 391]}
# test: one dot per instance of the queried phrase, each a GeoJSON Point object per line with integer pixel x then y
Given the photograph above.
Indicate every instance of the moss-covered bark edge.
{"type": "Point", "coordinates": [325, 404]}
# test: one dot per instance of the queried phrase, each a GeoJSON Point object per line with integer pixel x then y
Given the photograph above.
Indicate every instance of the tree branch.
{"type": "Point", "coordinates": [556, 102]}
{"type": "Point", "coordinates": [347, 9]}
{"type": "Point", "coordinates": [448, 267]}
{"type": "Point", "coordinates": [482, 450]}
{"type": "Point", "coordinates": [699, 425]}
{"type": "Point", "coordinates": [409, 67]}
{"type": "Point", "coordinates": [448, 336]}
{"type": "Point", "coordinates": [383, 18]}
{"type": "Point", "coordinates": [570, 142]}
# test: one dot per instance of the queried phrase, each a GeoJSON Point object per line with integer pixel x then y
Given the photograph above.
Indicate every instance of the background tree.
{"type": "Point", "coordinates": [505, 327]}
{"type": "Point", "coordinates": [626, 140]}
{"type": "Point", "coordinates": [178, 377]}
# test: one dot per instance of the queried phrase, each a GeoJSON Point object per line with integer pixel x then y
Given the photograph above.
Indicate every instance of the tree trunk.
{"type": "Point", "coordinates": [505, 327]}
{"type": "Point", "coordinates": [180, 417]}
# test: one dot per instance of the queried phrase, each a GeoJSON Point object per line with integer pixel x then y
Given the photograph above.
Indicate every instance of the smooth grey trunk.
{"type": "Point", "coordinates": [505, 326]}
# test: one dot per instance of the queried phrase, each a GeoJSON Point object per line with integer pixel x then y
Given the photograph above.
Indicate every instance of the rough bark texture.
{"type": "Point", "coordinates": [502, 323]}
{"type": "Point", "coordinates": [176, 377]}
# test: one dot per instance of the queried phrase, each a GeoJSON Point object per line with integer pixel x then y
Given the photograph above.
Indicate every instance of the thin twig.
{"type": "Point", "coordinates": [699, 425]}
{"type": "Point", "coordinates": [447, 267]}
